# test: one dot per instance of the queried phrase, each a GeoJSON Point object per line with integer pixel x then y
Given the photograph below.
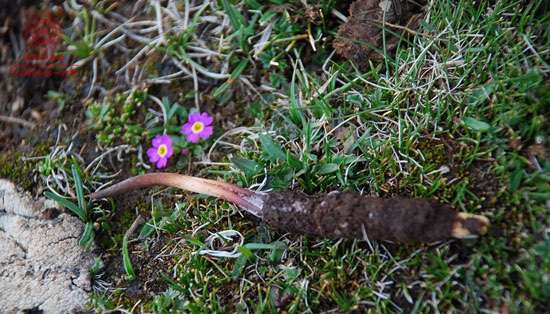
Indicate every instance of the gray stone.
{"type": "Point", "coordinates": [41, 264]}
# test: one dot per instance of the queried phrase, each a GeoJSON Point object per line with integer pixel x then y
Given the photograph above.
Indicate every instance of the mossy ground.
{"type": "Point", "coordinates": [21, 167]}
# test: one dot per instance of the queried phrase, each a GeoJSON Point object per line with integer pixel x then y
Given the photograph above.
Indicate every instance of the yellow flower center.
{"type": "Point", "coordinates": [197, 127]}
{"type": "Point", "coordinates": [162, 150]}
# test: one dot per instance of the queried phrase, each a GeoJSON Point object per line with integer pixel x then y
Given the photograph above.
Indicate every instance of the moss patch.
{"type": "Point", "coordinates": [18, 168]}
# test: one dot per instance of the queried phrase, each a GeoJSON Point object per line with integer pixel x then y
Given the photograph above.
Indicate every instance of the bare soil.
{"type": "Point", "coordinates": [361, 37]}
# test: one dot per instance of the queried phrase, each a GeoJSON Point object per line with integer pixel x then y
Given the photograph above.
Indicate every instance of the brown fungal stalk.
{"type": "Point", "coordinates": [332, 215]}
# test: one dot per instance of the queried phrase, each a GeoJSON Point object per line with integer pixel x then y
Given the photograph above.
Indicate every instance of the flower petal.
{"type": "Point", "coordinates": [162, 162]}
{"type": "Point", "coordinates": [157, 141]}
{"type": "Point", "coordinates": [166, 140]}
{"type": "Point", "coordinates": [206, 132]}
{"type": "Point", "coordinates": [193, 137]}
{"type": "Point", "coordinates": [151, 152]}
{"type": "Point", "coordinates": [187, 128]}
{"type": "Point", "coordinates": [205, 119]}
{"type": "Point", "coordinates": [169, 151]}
{"type": "Point", "coordinates": [194, 117]}
{"type": "Point", "coordinates": [184, 151]}
{"type": "Point", "coordinates": [153, 155]}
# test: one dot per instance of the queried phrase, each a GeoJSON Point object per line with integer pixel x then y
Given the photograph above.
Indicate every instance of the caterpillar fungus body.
{"type": "Point", "coordinates": [330, 215]}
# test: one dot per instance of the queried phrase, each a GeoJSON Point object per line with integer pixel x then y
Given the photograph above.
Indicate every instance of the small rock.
{"type": "Point", "coordinates": [42, 267]}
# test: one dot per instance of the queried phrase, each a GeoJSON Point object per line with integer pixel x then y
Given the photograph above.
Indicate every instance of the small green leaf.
{"type": "Point", "coordinates": [126, 260]}
{"type": "Point", "coordinates": [70, 205]}
{"type": "Point", "coordinates": [532, 77]}
{"type": "Point", "coordinates": [238, 268]}
{"type": "Point", "coordinates": [292, 273]}
{"type": "Point", "coordinates": [246, 253]}
{"type": "Point", "coordinates": [275, 152]}
{"type": "Point", "coordinates": [482, 93]}
{"type": "Point", "coordinates": [171, 110]}
{"type": "Point", "coordinates": [328, 168]}
{"type": "Point", "coordinates": [137, 129]}
{"type": "Point", "coordinates": [477, 125]}
{"type": "Point", "coordinates": [178, 140]}
{"type": "Point", "coordinates": [173, 284]}
{"type": "Point", "coordinates": [277, 251]}
{"type": "Point", "coordinates": [255, 110]}
{"type": "Point", "coordinates": [294, 162]}
{"type": "Point", "coordinates": [271, 148]}
{"type": "Point", "coordinates": [249, 167]}
{"type": "Point", "coordinates": [243, 39]}
{"type": "Point", "coordinates": [253, 4]}
{"type": "Point", "coordinates": [359, 141]}
{"type": "Point", "coordinates": [147, 230]}
{"type": "Point", "coordinates": [427, 26]}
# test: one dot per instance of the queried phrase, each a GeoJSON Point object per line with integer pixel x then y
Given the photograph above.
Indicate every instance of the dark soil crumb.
{"type": "Point", "coordinates": [361, 35]}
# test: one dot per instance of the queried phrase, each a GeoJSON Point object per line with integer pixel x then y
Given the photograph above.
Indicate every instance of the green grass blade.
{"type": "Point", "coordinates": [81, 213]}
{"type": "Point", "coordinates": [78, 184]}
{"type": "Point", "coordinates": [235, 18]}
{"type": "Point", "coordinates": [173, 284]}
{"type": "Point", "coordinates": [126, 260]}
{"type": "Point", "coordinates": [87, 236]}
{"type": "Point", "coordinates": [234, 76]}
{"type": "Point", "coordinates": [259, 246]}
{"type": "Point", "coordinates": [194, 241]}
{"type": "Point", "coordinates": [253, 4]}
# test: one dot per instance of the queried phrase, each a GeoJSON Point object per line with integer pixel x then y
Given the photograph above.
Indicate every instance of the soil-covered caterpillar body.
{"type": "Point", "coordinates": [331, 215]}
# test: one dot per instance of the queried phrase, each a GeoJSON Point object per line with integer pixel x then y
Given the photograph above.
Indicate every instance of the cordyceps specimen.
{"type": "Point", "coordinates": [332, 215]}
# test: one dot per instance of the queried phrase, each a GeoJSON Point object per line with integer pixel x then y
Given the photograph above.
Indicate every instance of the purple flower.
{"type": "Point", "coordinates": [184, 151]}
{"type": "Point", "coordinates": [198, 126]}
{"type": "Point", "coordinates": [161, 150]}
